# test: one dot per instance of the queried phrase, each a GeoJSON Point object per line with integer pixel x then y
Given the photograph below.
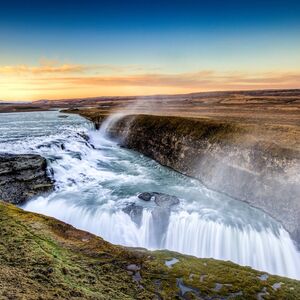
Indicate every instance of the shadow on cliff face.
{"type": "Point", "coordinates": [246, 163]}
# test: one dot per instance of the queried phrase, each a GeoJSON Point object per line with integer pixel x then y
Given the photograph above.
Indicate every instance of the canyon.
{"type": "Point", "coordinates": [232, 149]}
{"type": "Point", "coordinates": [245, 161]}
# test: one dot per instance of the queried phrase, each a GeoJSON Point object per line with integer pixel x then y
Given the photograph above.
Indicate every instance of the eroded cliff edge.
{"type": "Point", "coordinates": [255, 163]}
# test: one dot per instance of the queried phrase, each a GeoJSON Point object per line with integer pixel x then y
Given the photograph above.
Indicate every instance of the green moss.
{"type": "Point", "coordinates": [42, 258]}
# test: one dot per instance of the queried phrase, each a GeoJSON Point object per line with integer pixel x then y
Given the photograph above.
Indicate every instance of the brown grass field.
{"type": "Point", "coordinates": [268, 114]}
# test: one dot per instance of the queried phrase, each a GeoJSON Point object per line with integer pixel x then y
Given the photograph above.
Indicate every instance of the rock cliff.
{"type": "Point", "coordinates": [23, 176]}
{"type": "Point", "coordinates": [252, 163]}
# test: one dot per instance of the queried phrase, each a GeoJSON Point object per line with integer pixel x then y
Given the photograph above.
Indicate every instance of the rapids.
{"type": "Point", "coordinates": [96, 179]}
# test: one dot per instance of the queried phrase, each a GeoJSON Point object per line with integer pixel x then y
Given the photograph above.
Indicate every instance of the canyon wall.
{"type": "Point", "coordinates": [231, 158]}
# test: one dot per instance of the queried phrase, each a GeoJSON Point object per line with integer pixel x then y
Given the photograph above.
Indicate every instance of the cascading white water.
{"type": "Point", "coordinates": [96, 180]}
{"type": "Point", "coordinates": [187, 233]}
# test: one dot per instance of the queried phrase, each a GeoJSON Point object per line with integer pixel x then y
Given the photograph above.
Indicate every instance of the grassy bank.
{"type": "Point", "coordinates": [42, 258]}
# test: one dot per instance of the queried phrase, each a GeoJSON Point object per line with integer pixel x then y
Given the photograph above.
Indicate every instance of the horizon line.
{"type": "Point", "coordinates": [149, 96]}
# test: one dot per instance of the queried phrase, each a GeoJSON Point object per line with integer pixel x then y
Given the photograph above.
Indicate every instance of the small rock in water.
{"type": "Point", "coordinates": [145, 196]}
{"type": "Point", "coordinates": [164, 200]}
{"type": "Point", "coordinates": [160, 199]}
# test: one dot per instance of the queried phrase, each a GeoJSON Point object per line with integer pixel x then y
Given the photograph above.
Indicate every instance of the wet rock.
{"type": "Point", "coordinates": [164, 200]}
{"type": "Point", "coordinates": [134, 271]}
{"type": "Point", "coordinates": [84, 136]}
{"type": "Point", "coordinates": [137, 276]}
{"type": "Point", "coordinates": [145, 196]}
{"type": "Point", "coordinates": [133, 268]}
{"type": "Point", "coordinates": [135, 212]}
{"type": "Point", "coordinates": [23, 176]}
{"type": "Point", "coordinates": [160, 199]}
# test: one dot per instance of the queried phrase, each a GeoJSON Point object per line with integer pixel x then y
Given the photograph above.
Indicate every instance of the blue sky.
{"type": "Point", "coordinates": [109, 38]}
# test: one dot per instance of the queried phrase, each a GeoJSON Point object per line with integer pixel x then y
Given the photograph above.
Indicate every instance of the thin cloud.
{"type": "Point", "coordinates": [201, 79]}
{"type": "Point", "coordinates": [47, 67]}
{"type": "Point", "coordinates": [42, 69]}
{"type": "Point", "coordinates": [61, 83]}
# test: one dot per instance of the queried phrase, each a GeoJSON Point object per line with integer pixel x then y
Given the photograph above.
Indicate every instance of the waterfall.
{"type": "Point", "coordinates": [188, 233]}
{"type": "Point", "coordinates": [96, 179]}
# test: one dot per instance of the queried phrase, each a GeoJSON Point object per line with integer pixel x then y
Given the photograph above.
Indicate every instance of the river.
{"type": "Point", "coordinates": [96, 179]}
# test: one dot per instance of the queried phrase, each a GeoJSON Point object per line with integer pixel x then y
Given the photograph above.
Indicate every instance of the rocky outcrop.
{"type": "Point", "coordinates": [43, 258]}
{"type": "Point", "coordinates": [160, 199]}
{"type": "Point", "coordinates": [23, 176]}
{"type": "Point", "coordinates": [238, 160]}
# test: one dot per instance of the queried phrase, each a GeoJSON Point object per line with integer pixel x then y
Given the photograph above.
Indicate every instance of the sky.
{"type": "Point", "coordinates": [75, 49]}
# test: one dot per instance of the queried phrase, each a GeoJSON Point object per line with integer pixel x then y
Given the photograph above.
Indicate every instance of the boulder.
{"type": "Point", "coordinates": [145, 196]}
{"type": "Point", "coordinates": [23, 176]}
{"type": "Point", "coordinates": [160, 199]}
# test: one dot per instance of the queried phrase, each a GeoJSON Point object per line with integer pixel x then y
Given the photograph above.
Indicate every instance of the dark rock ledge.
{"type": "Point", "coordinates": [23, 176]}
